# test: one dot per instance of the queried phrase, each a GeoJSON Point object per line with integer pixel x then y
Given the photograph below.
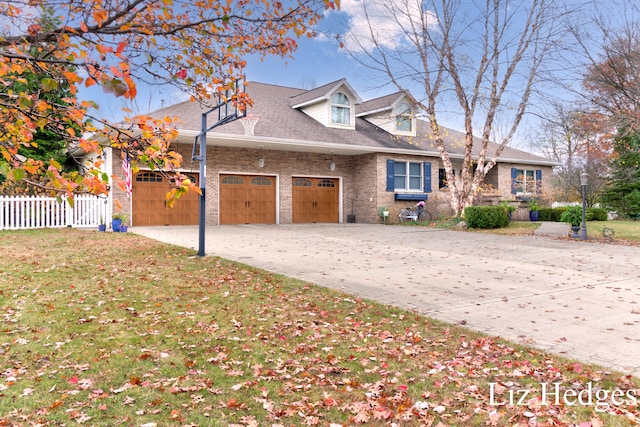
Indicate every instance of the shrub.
{"type": "Point", "coordinates": [597, 214]}
{"type": "Point", "coordinates": [549, 214]}
{"type": "Point", "coordinates": [486, 216]}
{"type": "Point", "coordinates": [572, 216]}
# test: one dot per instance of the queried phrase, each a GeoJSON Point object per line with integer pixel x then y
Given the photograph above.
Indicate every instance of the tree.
{"type": "Point", "coordinates": [611, 80]}
{"type": "Point", "coordinates": [581, 141]}
{"type": "Point", "coordinates": [199, 47]}
{"type": "Point", "coordinates": [486, 57]}
{"type": "Point", "coordinates": [612, 84]}
{"type": "Point", "coordinates": [623, 191]}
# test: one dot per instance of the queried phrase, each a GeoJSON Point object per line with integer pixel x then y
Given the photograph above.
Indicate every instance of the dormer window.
{"type": "Point", "coordinates": [340, 109]}
{"type": "Point", "coordinates": [404, 121]}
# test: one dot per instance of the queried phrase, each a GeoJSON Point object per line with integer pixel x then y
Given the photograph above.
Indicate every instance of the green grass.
{"type": "Point", "coordinates": [628, 230]}
{"type": "Point", "coordinates": [107, 329]}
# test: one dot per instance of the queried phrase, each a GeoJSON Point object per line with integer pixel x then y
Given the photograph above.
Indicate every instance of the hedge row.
{"type": "Point", "coordinates": [593, 214]}
{"type": "Point", "coordinates": [486, 216]}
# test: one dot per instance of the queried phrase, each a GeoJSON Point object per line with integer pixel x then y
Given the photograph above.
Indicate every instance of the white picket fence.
{"type": "Point", "coordinates": [25, 212]}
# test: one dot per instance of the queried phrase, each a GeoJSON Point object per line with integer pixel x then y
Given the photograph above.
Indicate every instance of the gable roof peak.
{"type": "Point", "coordinates": [322, 93]}
{"type": "Point", "coordinates": [382, 103]}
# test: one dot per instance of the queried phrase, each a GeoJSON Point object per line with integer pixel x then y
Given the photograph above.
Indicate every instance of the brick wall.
{"type": "Point", "coordinates": [284, 165]}
{"type": "Point", "coordinates": [362, 179]}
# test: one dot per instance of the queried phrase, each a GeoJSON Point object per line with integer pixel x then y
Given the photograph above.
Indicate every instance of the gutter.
{"type": "Point", "coordinates": [257, 142]}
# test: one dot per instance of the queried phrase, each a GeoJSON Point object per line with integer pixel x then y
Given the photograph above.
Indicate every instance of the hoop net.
{"type": "Point", "coordinates": [249, 123]}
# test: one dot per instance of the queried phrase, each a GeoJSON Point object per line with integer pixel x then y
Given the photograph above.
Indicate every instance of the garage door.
{"type": "Point", "coordinates": [247, 199]}
{"type": "Point", "coordinates": [315, 200]}
{"type": "Point", "coordinates": [150, 206]}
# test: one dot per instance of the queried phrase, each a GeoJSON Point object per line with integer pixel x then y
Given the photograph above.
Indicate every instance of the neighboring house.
{"type": "Point", "coordinates": [319, 155]}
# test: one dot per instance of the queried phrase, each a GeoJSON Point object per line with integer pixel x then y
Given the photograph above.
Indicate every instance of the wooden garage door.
{"type": "Point", "coordinates": [247, 199]}
{"type": "Point", "coordinates": [149, 202]}
{"type": "Point", "coordinates": [315, 200]}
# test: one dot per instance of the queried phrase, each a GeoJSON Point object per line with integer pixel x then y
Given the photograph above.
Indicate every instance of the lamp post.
{"type": "Point", "coordinates": [584, 180]}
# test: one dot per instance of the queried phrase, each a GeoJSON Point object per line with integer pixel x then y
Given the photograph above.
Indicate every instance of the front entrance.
{"type": "Point", "coordinates": [149, 191]}
{"type": "Point", "coordinates": [316, 200]}
{"type": "Point", "coordinates": [247, 199]}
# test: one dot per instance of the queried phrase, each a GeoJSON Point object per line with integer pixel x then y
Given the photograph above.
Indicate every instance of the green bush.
{"type": "Point", "coordinates": [486, 216]}
{"type": "Point", "coordinates": [549, 214]}
{"type": "Point", "coordinates": [597, 214]}
{"type": "Point", "coordinates": [593, 214]}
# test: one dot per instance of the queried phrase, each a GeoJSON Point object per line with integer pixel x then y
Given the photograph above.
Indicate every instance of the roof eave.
{"type": "Point", "coordinates": [280, 144]}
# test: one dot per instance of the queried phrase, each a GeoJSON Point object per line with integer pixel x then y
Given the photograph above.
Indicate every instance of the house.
{"type": "Point", "coordinates": [320, 155]}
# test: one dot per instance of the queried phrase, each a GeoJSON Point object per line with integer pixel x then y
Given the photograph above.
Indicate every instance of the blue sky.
{"type": "Point", "coordinates": [316, 62]}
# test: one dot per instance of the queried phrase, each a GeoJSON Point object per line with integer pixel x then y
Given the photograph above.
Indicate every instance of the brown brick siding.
{"type": "Point", "coordinates": [362, 177]}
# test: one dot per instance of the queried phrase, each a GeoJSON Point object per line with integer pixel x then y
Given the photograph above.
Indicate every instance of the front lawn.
{"type": "Point", "coordinates": [108, 329]}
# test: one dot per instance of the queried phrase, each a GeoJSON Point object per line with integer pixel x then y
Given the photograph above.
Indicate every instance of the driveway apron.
{"type": "Point", "coordinates": [577, 299]}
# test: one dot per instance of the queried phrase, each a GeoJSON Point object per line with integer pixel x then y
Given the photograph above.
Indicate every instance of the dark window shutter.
{"type": "Point", "coordinates": [390, 174]}
{"type": "Point", "coordinates": [514, 175]}
{"type": "Point", "coordinates": [427, 177]}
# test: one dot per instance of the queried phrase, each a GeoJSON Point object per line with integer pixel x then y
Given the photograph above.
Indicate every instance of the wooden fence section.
{"type": "Point", "coordinates": [26, 212]}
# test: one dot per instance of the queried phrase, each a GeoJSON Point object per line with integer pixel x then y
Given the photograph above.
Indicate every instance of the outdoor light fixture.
{"type": "Point", "coordinates": [584, 181]}
{"type": "Point", "coordinates": [260, 162]}
{"type": "Point", "coordinates": [332, 166]}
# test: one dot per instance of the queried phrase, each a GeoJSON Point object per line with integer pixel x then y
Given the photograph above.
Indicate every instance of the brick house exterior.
{"type": "Point", "coordinates": [322, 150]}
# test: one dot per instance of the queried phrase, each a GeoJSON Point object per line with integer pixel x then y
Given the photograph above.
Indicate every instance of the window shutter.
{"type": "Point", "coordinates": [427, 177]}
{"type": "Point", "coordinates": [390, 174]}
{"type": "Point", "coordinates": [538, 180]}
{"type": "Point", "coordinates": [514, 175]}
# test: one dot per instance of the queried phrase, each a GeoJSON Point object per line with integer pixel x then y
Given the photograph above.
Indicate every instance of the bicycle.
{"type": "Point", "coordinates": [419, 214]}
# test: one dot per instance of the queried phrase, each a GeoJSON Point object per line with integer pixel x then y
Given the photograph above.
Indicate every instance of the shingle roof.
{"type": "Point", "coordinates": [378, 104]}
{"type": "Point", "coordinates": [279, 121]}
{"type": "Point", "coordinates": [314, 94]}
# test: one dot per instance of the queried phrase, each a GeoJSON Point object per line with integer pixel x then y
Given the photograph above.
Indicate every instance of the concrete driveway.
{"type": "Point", "coordinates": [578, 299]}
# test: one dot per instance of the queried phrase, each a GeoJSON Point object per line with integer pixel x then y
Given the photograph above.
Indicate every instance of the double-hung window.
{"type": "Point", "coordinates": [407, 176]}
{"type": "Point", "coordinates": [340, 109]}
{"type": "Point", "coordinates": [403, 118]}
{"type": "Point", "coordinates": [526, 181]}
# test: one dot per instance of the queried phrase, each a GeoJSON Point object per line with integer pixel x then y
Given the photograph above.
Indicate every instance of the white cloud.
{"type": "Point", "coordinates": [385, 21]}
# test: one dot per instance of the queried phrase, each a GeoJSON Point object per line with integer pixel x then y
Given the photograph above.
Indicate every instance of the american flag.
{"type": "Point", "coordinates": [126, 170]}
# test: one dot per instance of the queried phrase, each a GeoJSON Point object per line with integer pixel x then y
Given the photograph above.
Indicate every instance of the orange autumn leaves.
{"type": "Point", "coordinates": [199, 48]}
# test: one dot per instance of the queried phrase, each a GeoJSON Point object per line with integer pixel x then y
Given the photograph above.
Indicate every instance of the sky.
{"type": "Point", "coordinates": [316, 62]}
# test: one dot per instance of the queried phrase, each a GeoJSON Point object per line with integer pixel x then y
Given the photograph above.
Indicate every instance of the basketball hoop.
{"type": "Point", "coordinates": [249, 123]}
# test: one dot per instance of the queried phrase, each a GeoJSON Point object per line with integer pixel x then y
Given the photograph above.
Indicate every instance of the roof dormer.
{"type": "Point", "coordinates": [393, 113]}
{"type": "Point", "coordinates": [333, 105]}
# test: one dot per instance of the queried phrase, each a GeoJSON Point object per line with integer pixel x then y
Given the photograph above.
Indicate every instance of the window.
{"type": "Point", "coordinates": [526, 181]}
{"type": "Point", "coordinates": [340, 109]}
{"type": "Point", "coordinates": [260, 180]}
{"type": "Point", "coordinates": [407, 176]}
{"type": "Point", "coordinates": [442, 178]}
{"type": "Point", "coordinates": [232, 180]}
{"type": "Point", "coordinates": [148, 177]}
{"type": "Point", "coordinates": [403, 118]}
{"type": "Point", "coordinates": [302, 182]}
{"type": "Point", "coordinates": [327, 183]}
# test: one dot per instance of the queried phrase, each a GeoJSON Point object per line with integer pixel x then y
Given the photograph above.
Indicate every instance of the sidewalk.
{"type": "Point", "coordinates": [578, 299]}
{"type": "Point", "coordinates": [556, 229]}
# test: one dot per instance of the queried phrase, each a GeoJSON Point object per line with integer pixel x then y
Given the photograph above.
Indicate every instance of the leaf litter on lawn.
{"type": "Point", "coordinates": [115, 329]}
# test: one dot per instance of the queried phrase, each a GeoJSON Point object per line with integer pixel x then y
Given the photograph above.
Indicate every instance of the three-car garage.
{"type": "Point", "coordinates": [243, 199]}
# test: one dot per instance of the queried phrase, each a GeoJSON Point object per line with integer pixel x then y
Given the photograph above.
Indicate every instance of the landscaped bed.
{"type": "Point", "coordinates": [107, 329]}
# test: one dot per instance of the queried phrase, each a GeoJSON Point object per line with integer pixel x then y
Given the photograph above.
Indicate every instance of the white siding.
{"type": "Point", "coordinates": [387, 120]}
{"type": "Point", "coordinates": [319, 112]}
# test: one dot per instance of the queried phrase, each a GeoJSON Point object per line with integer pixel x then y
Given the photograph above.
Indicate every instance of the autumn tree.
{"type": "Point", "coordinates": [581, 141]}
{"type": "Point", "coordinates": [199, 47]}
{"type": "Point", "coordinates": [623, 190]}
{"type": "Point", "coordinates": [611, 84]}
{"type": "Point", "coordinates": [482, 57]}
